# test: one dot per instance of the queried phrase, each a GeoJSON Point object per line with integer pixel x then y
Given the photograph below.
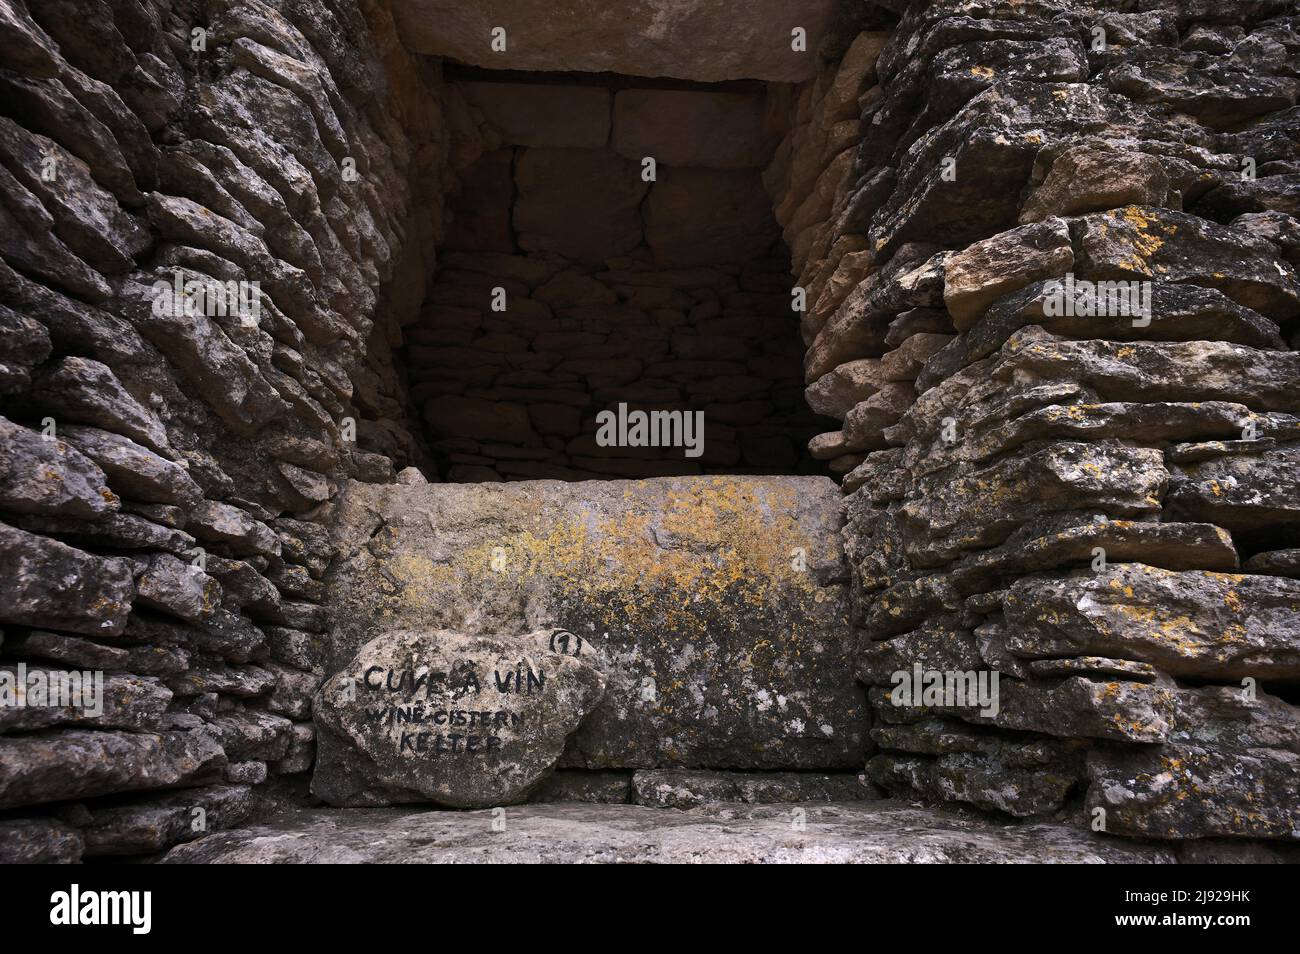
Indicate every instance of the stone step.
{"type": "Point", "coordinates": [881, 832]}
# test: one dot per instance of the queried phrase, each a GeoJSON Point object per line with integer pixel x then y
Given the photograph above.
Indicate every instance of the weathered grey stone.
{"type": "Point", "coordinates": [1156, 370]}
{"type": "Point", "coordinates": [719, 649]}
{"type": "Point", "coordinates": [1144, 242]}
{"type": "Point", "coordinates": [136, 471]}
{"type": "Point", "coordinates": [1191, 623]}
{"type": "Point", "coordinates": [87, 218]}
{"type": "Point", "coordinates": [835, 392]}
{"type": "Point", "coordinates": [1090, 178]}
{"type": "Point", "coordinates": [389, 722]}
{"type": "Point", "coordinates": [39, 841]}
{"type": "Point", "coordinates": [1218, 97]}
{"type": "Point", "coordinates": [48, 583]}
{"type": "Point", "coordinates": [980, 274]}
{"type": "Point", "coordinates": [248, 734]}
{"type": "Point", "coordinates": [536, 114]}
{"type": "Point", "coordinates": [690, 128]}
{"type": "Point", "coordinates": [181, 589]}
{"type": "Point", "coordinates": [1249, 492]}
{"type": "Point", "coordinates": [77, 763]}
{"type": "Point", "coordinates": [155, 824]}
{"type": "Point", "coordinates": [231, 526]}
{"type": "Point", "coordinates": [75, 652]}
{"type": "Point", "coordinates": [912, 278]}
{"type": "Point", "coordinates": [1275, 563]}
{"type": "Point", "coordinates": [857, 832]}
{"type": "Point", "coordinates": [864, 422]}
{"type": "Point", "coordinates": [688, 39]}
{"type": "Point", "coordinates": [948, 761]}
{"type": "Point", "coordinates": [301, 753]}
{"type": "Point", "coordinates": [82, 391]}
{"type": "Point", "coordinates": [945, 514]}
{"type": "Point", "coordinates": [660, 788]}
{"type": "Point", "coordinates": [1178, 313]}
{"type": "Point", "coordinates": [1230, 769]}
{"type": "Point", "coordinates": [121, 701]}
{"type": "Point", "coordinates": [47, 476]}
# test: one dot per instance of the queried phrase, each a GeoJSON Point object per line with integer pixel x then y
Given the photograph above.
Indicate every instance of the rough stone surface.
{"type": "Point", "coordinates": [49, 477]}
{"type": "Point", "coordinates": [688, 39]}
{"type": "Point", "coordinates": [52, 584]}
{"type": "Point", "coordinates": [531, 114]}
{"type": "Point", "coordinates": [80, 763]}
{"type": "Point", "coordinates": [39, 841]}
{"type": "Point", "coordinates": [689, 128]}
{"type": "Point", "coordinates": [715, 606]}
{"type": "Point", "coordinates": [156, 824]}
{"type": "Point", "coordinates": [463, 721]}
{"type": "Point", "coordinates": [847, 833]}
{"type": "Point", "coordinates": [685, 789]}
{"type": "Point", "coordinates": [927, 181]}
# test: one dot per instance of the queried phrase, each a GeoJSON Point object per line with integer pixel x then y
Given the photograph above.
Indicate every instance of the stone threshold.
{"type": "Point", "coordinates": [877, 832]}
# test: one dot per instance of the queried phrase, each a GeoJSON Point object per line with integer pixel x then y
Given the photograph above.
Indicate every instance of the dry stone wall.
{"type": "Point", "coordinates": [160, 466]}
{"type": "Point", "coordinates": [1098, 507]}
{"type": "Point", "coordinates": [1095, 504]}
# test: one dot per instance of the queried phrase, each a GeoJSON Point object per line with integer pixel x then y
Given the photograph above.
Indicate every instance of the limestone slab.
{"type": "Point", "coordinates": [717, 606]}
{"type": "Point", "coordinates": [690, 128]}
{"type": "Point", "coordinates": [688, 39]}
{"type": "Point", "coordinates": [838, 833]}
{"type": "Point", "coordinates": [541, 114]}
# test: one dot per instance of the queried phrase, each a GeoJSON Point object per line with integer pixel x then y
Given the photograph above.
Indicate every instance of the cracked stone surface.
{"type": "Point", "coordinates": [837, 833]}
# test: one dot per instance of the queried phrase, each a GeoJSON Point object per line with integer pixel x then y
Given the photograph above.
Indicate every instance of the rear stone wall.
{"type": "Point", "coordinates": [571, 284]}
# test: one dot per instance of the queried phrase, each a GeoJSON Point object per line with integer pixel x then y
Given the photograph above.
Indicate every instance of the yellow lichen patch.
{"type": "Point", "coordinates": [658, 567]}
{"type": "Point", "coordinates": [983, 72]}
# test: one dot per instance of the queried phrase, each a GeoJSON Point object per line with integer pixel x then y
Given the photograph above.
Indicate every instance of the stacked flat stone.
{"type": "Point", "coordinates": [1102, 510]}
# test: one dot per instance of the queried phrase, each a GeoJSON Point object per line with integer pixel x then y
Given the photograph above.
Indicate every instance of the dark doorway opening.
{"type": "Point", "coordinates": [611, 251]}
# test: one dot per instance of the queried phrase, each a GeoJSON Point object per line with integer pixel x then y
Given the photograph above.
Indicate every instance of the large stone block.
{"type": "Point", "coordinates": [690, 128]}
{"type": "Point", "coordinates": [718, 606]}
{"type": "Point", "coordinates": [863, 832]}
{"type": "Point", "coordinates": [687, 39]}
{"type": "Point", "coordinates": [705, 217]}
{"type": "Point", "coordinates": [538, 114]}
{"type": "Point", "coordinates": [1143, 243]}
{"type": "Point", "coordinates": [78, 763]}
{"type": "Point", "coordinates": [582, 203]}
{"type": "Point", "coordinates": [49, 477]}
{"type": "Point", "coordinates": [1230, 769]}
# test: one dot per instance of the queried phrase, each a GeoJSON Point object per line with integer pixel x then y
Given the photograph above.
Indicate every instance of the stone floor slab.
{"type": "Point", "coordinates": [573, 833]}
